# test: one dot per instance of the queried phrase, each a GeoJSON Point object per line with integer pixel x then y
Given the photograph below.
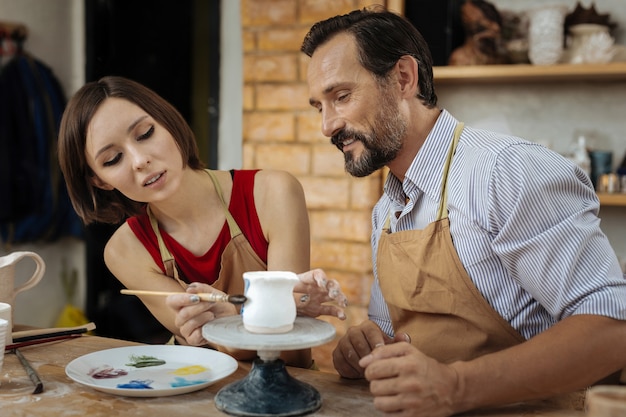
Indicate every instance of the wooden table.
{"type": "Point", "coordinates": [64, 397]}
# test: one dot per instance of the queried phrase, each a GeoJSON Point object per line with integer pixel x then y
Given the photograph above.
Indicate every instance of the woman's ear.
{"type": "Point", "coordinates": [407, 75]}
{"type": "Point", "coordinates": [97, 182]}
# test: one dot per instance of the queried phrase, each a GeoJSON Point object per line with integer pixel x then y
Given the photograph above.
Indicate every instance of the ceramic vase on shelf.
{"type": "Point", "coordinates": [590, 43]}
{"type": "Point", "coordinates": [545, 34]}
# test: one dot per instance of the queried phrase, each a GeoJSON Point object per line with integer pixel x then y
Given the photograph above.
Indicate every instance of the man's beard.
{"type": "Point", "coordinates": [381, 145]}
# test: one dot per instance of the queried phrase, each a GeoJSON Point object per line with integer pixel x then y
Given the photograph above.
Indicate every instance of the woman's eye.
{"type": "Point", "coordinates": [147, 134]}
{"type": "Point", "coordinates": [112, 161]}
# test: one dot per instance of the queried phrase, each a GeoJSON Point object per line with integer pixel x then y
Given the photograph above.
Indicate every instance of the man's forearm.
{"type": "Point", "coordinates": [572, 355]}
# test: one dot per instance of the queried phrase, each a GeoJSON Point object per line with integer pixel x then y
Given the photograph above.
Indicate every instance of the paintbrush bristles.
{"type": "Point", "coordinates": [207, 296]}
{"type": "Point", "coordinates": [237, 299]}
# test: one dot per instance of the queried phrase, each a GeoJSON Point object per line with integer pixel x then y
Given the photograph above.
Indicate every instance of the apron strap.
{"type": "Point", "coordinates": [232, 224]}
{"type": "Point", "coordinates": [387, 225]}
{"type": "Point", "coordinates": [444, 180]}
{"type": "Point", "coordinates": [167, 258]}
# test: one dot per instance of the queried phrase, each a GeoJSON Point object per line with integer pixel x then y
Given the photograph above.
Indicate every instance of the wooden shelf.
{"type": "Point", "coordinates": [615, 71]}
{"type": "Point", "coordinates": [518, 74]}
{"type": "Point", "coordinates": [617, 199]}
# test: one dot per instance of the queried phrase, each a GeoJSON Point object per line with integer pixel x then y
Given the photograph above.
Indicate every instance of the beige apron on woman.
{"type": "Point", "coordinates": [238, 256]}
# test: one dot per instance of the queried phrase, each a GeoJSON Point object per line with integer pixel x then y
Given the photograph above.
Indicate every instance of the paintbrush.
{"type": "Point", "coordinates": [32, 374]}
{"type": "Point", "coordinates": [204, 296]}
{"type": "Point", "coordinates": [39, 341]}
{"type": "Point", "coordinates": [35, 334]}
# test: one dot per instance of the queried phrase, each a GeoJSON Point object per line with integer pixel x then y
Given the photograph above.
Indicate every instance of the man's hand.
{"type": "Point", "coordinates": [406, 382]}
{"type": "Point", "coordinates": [358, 342]}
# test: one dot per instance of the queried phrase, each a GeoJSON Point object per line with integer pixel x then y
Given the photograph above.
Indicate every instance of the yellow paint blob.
{"type": "Point", "coordinates": [190, 370]}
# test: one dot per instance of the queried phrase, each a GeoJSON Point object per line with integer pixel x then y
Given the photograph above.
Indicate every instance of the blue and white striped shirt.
{"type": "Point", "coordinates": [523, 219]}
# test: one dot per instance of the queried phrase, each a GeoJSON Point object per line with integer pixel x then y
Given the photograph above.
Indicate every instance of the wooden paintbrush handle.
{"type": "Point", "coordinates": [52, 331]}
{"type": "Point", "coordinates": [205, 296]}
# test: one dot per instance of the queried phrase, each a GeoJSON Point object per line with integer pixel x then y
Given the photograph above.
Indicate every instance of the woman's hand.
{"type": "Point", "coordinates": [192, 313]}
{"type": "Point", "coordinates": [314, 290]}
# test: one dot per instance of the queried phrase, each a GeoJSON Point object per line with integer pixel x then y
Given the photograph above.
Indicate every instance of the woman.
{"type": "Point", "coordinates": [127, 154]}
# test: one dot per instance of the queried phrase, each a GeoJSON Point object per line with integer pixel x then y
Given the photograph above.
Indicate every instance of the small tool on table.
{"type": "Point", "coordinates": [32, 374]}
{"type": "Point", "coordinates": [37, 334]}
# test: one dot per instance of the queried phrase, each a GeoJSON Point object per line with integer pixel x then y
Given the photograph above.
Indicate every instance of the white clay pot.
{"type": "Point", "coordinates": [270, 306]}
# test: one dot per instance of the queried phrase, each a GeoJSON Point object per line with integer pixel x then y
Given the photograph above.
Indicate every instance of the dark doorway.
{"type": "Point", "coordinates": [147, 41]}
{"type": "Point", "coordinates": [170, 46]}
{"type": "Point", "coordinates": [439, 22]}
{"type": "Point", "coordinates": [173, 48]}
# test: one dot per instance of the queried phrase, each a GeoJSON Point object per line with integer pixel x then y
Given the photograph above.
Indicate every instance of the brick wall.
{"type": "Point", "coordinates": [281, 131]}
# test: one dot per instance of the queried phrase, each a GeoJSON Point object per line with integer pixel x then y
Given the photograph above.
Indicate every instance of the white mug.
{"type": "Point", "coordinates": [4, 328]}
{"type": "Point", "coordinates": [8, 288]}
{"type": "Point", "coordinates": [5, 314]}
{"type": "Point", "coordinates": [270, 306]}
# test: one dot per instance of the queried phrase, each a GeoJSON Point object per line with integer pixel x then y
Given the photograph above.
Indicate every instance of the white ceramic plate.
{"type": "Point", "coordinates": [186, 369]}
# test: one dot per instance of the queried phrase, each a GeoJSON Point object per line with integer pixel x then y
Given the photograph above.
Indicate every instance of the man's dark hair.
{"type": "Point", "coordinates": [382, 38]}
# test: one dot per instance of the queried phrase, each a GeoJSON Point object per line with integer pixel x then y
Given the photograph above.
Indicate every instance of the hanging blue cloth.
{"type": "Point", "coordinates": [34, 204]}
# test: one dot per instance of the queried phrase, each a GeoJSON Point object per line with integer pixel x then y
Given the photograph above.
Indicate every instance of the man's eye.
{"type": "Point", "coordinates": [343, 97]}
{"type": "Point", "coordinates": [147, 134]}
{"type": "Point", "coordinates": [113, 160]}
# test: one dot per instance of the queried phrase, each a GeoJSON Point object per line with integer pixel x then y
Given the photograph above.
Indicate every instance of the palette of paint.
{"type": "Point", "coordinates": [151, 370]}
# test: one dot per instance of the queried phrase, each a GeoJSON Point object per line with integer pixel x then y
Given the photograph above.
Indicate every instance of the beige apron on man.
{"type": "Point", "coordinates": [431, 297]}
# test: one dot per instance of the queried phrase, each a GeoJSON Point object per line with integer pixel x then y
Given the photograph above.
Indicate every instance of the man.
{"type": "Point", "coordinates": [493, 281]}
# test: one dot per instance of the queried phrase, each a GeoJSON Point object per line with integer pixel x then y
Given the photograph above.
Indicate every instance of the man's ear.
{"type": "Point", "coordinates": [97, 182]}
{"type": "Point", "coordinates": [407, 75]}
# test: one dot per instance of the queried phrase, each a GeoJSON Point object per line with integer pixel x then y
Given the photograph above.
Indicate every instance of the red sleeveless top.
{"type": "Point", "coordinates": [206, 268]}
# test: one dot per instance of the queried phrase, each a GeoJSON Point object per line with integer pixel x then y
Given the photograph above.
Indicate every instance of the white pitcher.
{"type": "Point", "coordinates": [8, 290]}
{"type": "Point", "coordinates": [270, 306]}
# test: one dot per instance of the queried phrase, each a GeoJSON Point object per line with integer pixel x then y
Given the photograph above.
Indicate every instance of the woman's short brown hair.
{"type": "Point", "coordinates": [93, 204]}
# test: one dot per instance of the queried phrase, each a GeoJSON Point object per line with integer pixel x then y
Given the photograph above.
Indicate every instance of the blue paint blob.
{"type": "Point", "coordinates": [136, 384]}
{"type": "Point", "coordinates": [182, 382]}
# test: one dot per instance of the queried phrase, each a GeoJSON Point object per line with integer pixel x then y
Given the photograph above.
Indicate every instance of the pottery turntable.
{"type": "Point", "coordinates": [268, 389]}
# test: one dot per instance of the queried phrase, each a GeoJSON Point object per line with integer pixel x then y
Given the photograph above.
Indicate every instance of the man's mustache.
{"type": "Point", "coordinates": [342, 135]}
